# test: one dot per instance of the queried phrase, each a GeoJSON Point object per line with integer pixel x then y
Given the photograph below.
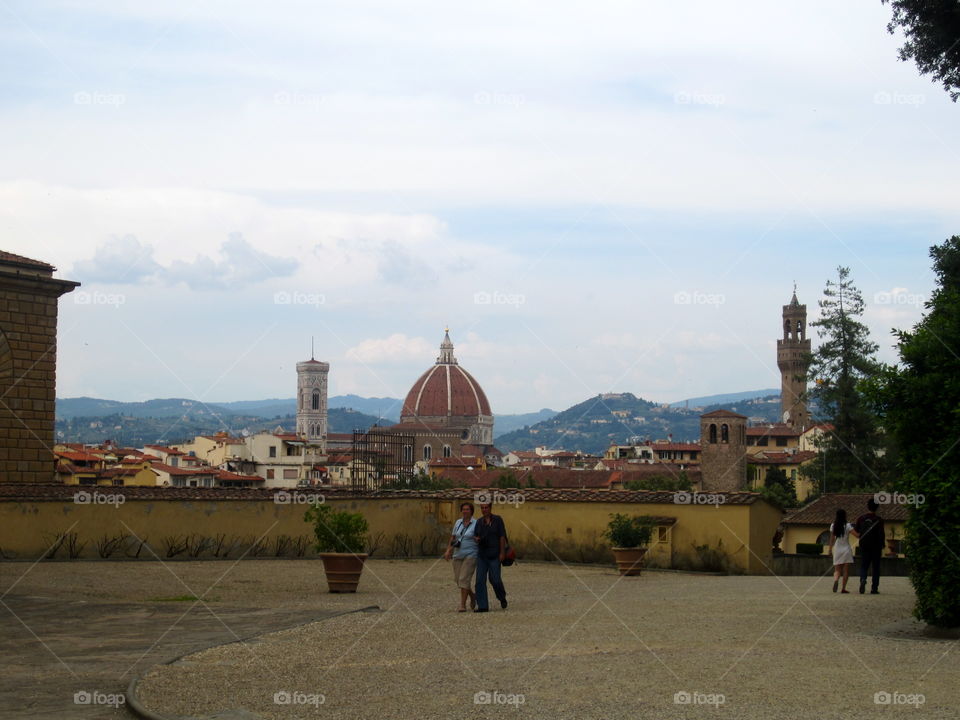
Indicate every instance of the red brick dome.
{"type": "Point", "coordinates": [446, 390]}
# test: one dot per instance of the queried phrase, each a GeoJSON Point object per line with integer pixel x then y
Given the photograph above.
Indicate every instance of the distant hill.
{"type": "Point", "coordinates": [129, 430]}
{"type": "Point", "coordinates": [596, 423]}
{"type": "Point", "coordinates": [726, 398]}
{"type": "Point", "coordinates": [503, 424]}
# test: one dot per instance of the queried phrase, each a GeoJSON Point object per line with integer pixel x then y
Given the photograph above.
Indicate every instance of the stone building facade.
{"type": "Point", "coordinates": [312, 414]}
{"type": "Point", "coordinates": [28, 364]}
{"type": "Point", "coordinates": [723, 442]}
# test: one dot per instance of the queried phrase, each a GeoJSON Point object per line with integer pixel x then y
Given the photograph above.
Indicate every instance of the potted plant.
{"type": "Point", "coordinates": [341, 538]}
{"type": "Point", "coordinates": [629, 537]}
{"type": "Point", "coordinates": [893, 543]}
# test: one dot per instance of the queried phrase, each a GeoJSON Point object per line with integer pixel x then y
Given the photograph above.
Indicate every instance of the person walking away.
{"type": "Point", "coordinates": [492, 545]}
{"type": "Point", "coordinates": [462, 548]}
{"type": "Point", "coordinates": [870, 529]}
{"type": "Point", "coordinates": [840, 549]}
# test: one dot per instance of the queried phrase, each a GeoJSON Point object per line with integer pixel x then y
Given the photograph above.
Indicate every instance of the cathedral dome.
{"type": "Point", "coordinates": [445, 391]}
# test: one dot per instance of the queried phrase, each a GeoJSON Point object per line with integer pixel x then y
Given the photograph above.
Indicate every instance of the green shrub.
{"type": "Point", "coordinates": [337, 530]}
{"type": "Point", "coordinates": [810, 548]}
{"type": "Point", "coordinates": [629, 532]}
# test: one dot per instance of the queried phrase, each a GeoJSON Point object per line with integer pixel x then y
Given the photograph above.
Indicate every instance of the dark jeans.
{"type": "Point", "coordinates": [486, 566]}
{"type": "Point", "coordinates": [868, 558]}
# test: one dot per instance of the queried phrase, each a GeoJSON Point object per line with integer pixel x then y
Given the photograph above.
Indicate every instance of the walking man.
{"type": "Point", "coordinates": [869, 527]}
{"type": "Point", "coordinates": [491, 547]}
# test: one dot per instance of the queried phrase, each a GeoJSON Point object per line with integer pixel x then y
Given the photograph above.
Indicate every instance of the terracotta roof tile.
{"type": "Point", "coordinates": [822, 510]}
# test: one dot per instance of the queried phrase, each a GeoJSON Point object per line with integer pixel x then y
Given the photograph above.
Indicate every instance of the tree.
{"type": "Point", "coordinates": [919, 401]}
{"type": "Point", "coordinates": [778, 489]}
{"type": "Point", "coordinates": [838, 369]}
{"type": "Point", "coordinates": [932, 28]}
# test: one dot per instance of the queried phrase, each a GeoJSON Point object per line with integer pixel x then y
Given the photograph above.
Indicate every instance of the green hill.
{"type": "Point", "coordinates": [593, 425]}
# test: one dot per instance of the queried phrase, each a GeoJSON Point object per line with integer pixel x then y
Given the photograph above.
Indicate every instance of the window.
{"type": "Point", "coordinates": [662, 534]}
{"type": "Point", "coordinates": [713, 433]}
{"type": "Point", "coordinates": [316, 400]}
{"type": "Point", "coordinates": [290, 473]}
{"type": "Point", "coordinates": [781, 442]}
{"type": "Point", "coordinates": [793, 475]}
{"type": "Point", "coordinates": [446, 451]}
{"type": "Point", "coordinates": [427, 452]}
{"type": "Point", "coordinates": [824, 538]}
{"type": "Point", "coordinates": [763, 441]}
{"type": "Point", "coordinates": [269, 474]}
{"type": "Point", "coordinates": [291, 450]}
{"type": "Point", "coordinates": [408, 453]}
{"type": "Point", "coordinates": [174, 461]}
{"type": "Point", "coordinates": [724, 433]}
{"type": "Point", "coordinates": [273, 451]}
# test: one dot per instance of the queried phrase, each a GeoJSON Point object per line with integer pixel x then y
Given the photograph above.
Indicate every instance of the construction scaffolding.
{"type": "Point", "coordinates": [380, 458]}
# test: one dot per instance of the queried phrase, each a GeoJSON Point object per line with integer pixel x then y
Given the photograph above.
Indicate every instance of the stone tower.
{"type": "Point", "coordinates": [723, 444]}
{"type": "Point", "coordinates": [793, 352]}
{"type": "Point", "coordinates": [312, 401]}
{"type": "Point", "coordinates": [28, 366]}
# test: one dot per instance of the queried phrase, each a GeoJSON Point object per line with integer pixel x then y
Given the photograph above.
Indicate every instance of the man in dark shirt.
{"type": "Point", "coordinates": [491, 545]}
{"type": "Point", "coordinates": [869, 527]}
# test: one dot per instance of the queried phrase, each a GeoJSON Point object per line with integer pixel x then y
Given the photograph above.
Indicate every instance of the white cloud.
{"type": "Point", "coordinates": [397, 348]}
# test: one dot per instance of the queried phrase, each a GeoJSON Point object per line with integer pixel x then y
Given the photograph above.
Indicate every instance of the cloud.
{"type": "Point", "coordinates": [119, 261]}
{"type": "Point", "coordinates": [241, 264]}
{"type": "Point", "coordinates": [398, 348]}
{"type": "Point", "coordinates": [125, 260]}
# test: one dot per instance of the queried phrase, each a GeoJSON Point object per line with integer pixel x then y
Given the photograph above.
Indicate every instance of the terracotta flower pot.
{"type": "Point", "coordinates": [343, 571]}
{"type": "Point", "coordinates": [629, 560]}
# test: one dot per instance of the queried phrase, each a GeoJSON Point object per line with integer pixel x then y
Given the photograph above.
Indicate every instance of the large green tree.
{"type": "Point", "coordinates": [844, 359]}
{"type": "Point", "coordinates": [920, 402]}
{"type": "Point", "coordinates": [932, 29]}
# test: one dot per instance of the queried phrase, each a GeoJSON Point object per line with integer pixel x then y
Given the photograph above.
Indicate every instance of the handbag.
{"type": "Point", "coordinates": [509, 554]}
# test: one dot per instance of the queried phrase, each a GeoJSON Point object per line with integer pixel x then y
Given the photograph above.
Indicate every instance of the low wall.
{"type": "Point", "coordinates": [568, 526]}
{"type": "Point", "coordinates": [823, 565]}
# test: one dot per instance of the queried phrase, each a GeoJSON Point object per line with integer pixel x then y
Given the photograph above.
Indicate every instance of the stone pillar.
{"type": "Point", "coordinates": [28, 367]}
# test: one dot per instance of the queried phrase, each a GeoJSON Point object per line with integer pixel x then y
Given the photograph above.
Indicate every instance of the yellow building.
{"type": "Point", "coordinates": [811, 524]}
{"type": "Point", "coordinates": [789, 462]}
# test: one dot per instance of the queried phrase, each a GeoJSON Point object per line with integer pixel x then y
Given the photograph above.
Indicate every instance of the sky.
{"type": "Point", "coordinates": [594, 197]}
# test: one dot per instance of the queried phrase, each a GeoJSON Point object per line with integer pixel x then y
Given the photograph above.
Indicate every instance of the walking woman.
{"type": "Point", "coordinates": [463, 549]}
{"type": "Point", "coordinates": [840, 532]}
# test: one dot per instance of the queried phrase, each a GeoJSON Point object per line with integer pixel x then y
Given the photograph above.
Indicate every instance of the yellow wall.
{"type": "Point", "coordinates": [794, 534]}
{"type": "Point", "coordinates": [398, 526]}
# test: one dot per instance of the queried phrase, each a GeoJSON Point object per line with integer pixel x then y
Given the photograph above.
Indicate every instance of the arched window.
{"type": "Point", "coordinates": [724, 433]}
{"type": "Point", "coordinates": [786, 329]}
{"type": "Point", "coordinates": [316, 400]}
{"type": "Point", "coordinates": [824, 538]}
{"type": "Point", "coordinates": [446, 451]}
{"type": "Point", "coordinates": [408, 453]}
{"type": "Point", "coordinates": [713, 433]}
{"type": "Point", "coordinates": [427, 452]}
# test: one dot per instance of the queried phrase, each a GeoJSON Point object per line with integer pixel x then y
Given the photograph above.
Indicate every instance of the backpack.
{"type": "Point", "coordinates": [871, 533]}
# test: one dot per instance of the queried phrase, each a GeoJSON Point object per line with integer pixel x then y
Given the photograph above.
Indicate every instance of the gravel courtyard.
{"type": "Point", "coordinates": [576, 642]}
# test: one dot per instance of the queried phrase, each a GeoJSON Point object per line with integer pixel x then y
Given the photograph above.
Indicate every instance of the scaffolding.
{"type": "Point", "coordinates": [379, 459]}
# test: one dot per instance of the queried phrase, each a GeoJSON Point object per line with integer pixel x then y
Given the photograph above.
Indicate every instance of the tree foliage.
{"type": "Point", "coordinates": [839, 366]}
{"type": "Point", "coordinates": [661, 482]}
{"type": "Point", "coordinates": [932, 29]}
{"type": "Point", "coordinates": [920, 405]}
{"type": "Point", "coordinates": [779, 489]}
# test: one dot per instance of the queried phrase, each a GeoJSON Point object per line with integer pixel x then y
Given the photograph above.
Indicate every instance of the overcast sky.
{"type": "Point", "coordinates": [603, 196]}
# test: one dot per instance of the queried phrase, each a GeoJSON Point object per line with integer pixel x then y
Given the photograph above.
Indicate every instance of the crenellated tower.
{"type": "Point", "coordinates": [793, 353]}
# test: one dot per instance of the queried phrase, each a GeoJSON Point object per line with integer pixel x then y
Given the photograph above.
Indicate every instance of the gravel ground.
{"type": "Point", "coordinates": [576, 642]}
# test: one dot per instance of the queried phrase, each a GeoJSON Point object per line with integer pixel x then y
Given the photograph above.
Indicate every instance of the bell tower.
{"type": "Point", "coordinates": [312, 401]}
{"type": "Point", "coordinates": [793, 352]}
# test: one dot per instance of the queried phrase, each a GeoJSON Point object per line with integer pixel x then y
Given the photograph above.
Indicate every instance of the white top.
{"type": "Point", "coordinates": [842, 552]}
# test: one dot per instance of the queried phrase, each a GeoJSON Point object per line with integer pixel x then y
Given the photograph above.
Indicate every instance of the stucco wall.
{"type": "Point", "coordinates": [404, 526]}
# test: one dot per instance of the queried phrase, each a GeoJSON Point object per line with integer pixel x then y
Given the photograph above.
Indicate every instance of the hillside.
{"type": "Point", "coordinates": [595, 424]}
{"type": "Point", "coordinates": [130, 431]}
